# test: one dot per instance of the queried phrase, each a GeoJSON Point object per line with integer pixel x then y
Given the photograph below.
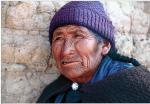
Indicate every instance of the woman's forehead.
{"type": "Point", "coordinates": [71, 28]}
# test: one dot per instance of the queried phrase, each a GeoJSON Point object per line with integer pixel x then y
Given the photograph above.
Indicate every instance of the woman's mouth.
{"type": "Point", "coordinates": [65, 63]}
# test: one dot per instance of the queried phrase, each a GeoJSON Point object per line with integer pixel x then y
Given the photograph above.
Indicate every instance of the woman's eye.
{"type": "Point", "coordinates": [58, 38]}
{"type": "Point", "coordinates": [78, 36]}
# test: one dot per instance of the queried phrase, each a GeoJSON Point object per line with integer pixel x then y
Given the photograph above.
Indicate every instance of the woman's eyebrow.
{"type": "Point", "coordinates": [57, 33]}
{"type": "Point", "coordinates": [77, 30]}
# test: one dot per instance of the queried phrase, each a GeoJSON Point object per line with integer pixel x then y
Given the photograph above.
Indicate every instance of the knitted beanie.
{"type": "Point", "coordinates": [89, 14]}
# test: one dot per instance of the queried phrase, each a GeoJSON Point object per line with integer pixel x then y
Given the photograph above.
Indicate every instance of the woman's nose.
{"type": "Point", "coordinates": [68, 48]}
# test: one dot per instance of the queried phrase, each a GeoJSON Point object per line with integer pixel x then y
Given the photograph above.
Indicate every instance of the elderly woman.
{"type": "Point", "coordinates": [83, 45]}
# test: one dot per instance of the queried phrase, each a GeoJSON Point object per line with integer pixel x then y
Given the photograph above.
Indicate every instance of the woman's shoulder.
{"type": "Point", "coordinates": [124, 86]}
{"type": "Point", "coordinates": [55, 87]}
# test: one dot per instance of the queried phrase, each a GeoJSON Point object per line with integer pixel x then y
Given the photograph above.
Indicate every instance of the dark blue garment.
{"type": "Point", "coordinates": [59, 98]}
{"type": "Point", "coordinates": [106, 68]}
{"type": "Point", "coordinates": [69, 97]}
{"type": "Point", "coordinates": [109, 67]}
{"type": "Point", "coordinates": [72, 97]}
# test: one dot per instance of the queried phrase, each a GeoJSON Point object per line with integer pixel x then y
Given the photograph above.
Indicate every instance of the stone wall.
{"type": "Point", "coordinates": [25, 47]}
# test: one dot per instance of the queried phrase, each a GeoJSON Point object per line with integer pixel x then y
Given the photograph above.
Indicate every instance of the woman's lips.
{"type": "Point", "coordinates": [70, 63]}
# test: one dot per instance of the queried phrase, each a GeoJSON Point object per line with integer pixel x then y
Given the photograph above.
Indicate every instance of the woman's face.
{"type": "Point", "coordinates": [77, 52]}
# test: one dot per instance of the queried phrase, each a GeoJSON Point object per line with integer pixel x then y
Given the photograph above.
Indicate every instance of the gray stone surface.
{"type": "Point", "coordinates": [124, 44]}
{"type": "Point", "coordinates": [140, 20]}
{"type": "Point", "coordinates": [141, 49]}
{"type": "Point", "coordinates": [147, 7]}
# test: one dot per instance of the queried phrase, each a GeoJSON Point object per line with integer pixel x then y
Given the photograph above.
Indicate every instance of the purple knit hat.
{"type": "Point", "coordinates": [89, 14]}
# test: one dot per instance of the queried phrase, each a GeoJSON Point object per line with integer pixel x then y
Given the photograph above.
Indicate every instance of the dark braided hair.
{"type": "Point", "coordinates": [113, 52]}
{"type": "Point", "coordinates": [116, 56]}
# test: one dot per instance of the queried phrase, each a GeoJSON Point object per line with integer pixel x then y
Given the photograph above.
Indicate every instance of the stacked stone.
{"type": "Point", "coordinates": [26, 49]}
{"type": "Point", "coordinates": [25, 46]}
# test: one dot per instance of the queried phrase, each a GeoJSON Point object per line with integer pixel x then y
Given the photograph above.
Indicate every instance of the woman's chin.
{"type": "Point", "coordinates": [72, 75]}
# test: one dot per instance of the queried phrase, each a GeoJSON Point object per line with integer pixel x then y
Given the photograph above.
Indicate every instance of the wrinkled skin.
{"type": "Point", "coordinates": [77, 52]}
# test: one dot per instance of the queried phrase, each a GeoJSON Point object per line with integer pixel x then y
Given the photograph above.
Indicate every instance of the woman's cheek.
{"type": "Point", "coordinates": [57, 54]}
{"type": "Point", "coordinates": [85, 47]}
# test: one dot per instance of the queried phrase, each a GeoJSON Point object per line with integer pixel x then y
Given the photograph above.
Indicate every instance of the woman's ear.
{"type": "Point", "coordinates": [106, 47]}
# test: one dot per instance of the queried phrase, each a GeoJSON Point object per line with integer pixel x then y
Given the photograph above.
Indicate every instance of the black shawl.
{"type": "Point", "coordinates": [126, 86]}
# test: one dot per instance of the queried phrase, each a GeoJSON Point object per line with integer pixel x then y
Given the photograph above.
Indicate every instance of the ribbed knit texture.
{"type": "Point", "coordinates": [89, 14]}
